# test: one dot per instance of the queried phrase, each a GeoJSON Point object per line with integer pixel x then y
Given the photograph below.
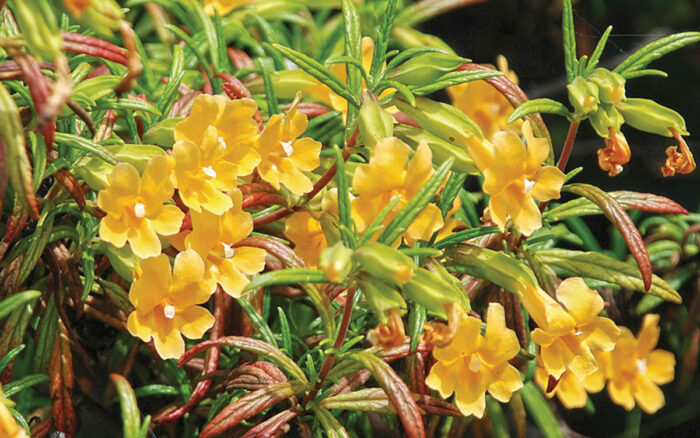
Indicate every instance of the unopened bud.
{"type": "Point", "coordinates": [611, 85]}
{"type": "Point", "coordinates": [375, 123]}
{"type": "Point", "coordinates": [431, 291]}
{"type": "Point", "coordinates": [380, 296]}
{"type": "Point", "coordinates": [442, 149]}
{"type": "Point", "coordinates": [336, 262]}
{"type": "Point", "coordinates": [648, 116]}
{"type": "Point", "coordinates": [425, 68]}
{"type": "Point", "coordinates": [583, 96]}
{"type": "Point", "coordinates": [606, 117]}
{"type": "Point", "coordinates": [385, 262]}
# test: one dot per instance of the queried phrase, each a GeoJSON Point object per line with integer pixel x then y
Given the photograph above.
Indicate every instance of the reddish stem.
{"type": "Point", "coordinates": [568, 145]}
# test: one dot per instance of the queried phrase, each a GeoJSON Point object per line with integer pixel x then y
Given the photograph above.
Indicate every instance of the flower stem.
{"type": "Point", "coordinates": [568, 145]}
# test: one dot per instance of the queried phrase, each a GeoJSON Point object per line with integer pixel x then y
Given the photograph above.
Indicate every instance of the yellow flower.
{"type": "Point", "coordinates": [635, 369]}
{"type": "Point", "coordinates": [135, 210]}
{"type": "Point", "coordinates": [570, 390]}
{"type": "Point", "coordinates": [8, 426]}
{"type": "Point", "coordinates": [615, 154]}
{"type": "Point", "coordinates": [515, 178]}
{"type": "Point", "coordinates": [485, 105]}
{"type": "Point", "coordinates": [306, 233]}
{"type": "Point", "coordinates": [165, 302]}
{"type": "Point", "coordinates": [284, 155]}
{"type": "Point", "coordinates": [389, 173]}
{"type": "Point", "coordinates": [214, 146]}
{"type": "Point", "coordinates": [473, 364]}
{"type": "Point", "coordinates": [567, 334]}
{"type": "Point", "coordinates": [213, 237]}
{"type": "Point", "coordinates": [223, 7]}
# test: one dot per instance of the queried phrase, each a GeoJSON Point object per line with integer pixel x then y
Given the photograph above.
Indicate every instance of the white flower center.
{"type": "Point", "coordinates": [228, 251]}
{"type": "Point", "coordinates": [642, 366]}
{"type": "Point", "coordinates": [529, 184]}
{"type": "Point", "coordinates": [578, 333]}
{"type": "Point", "coordinates": [139, 210]}
{"type": "Point", "coordinates": [288, 149]}
{"type": "Point", "coordinates": [475, 364]}
{"type": "Point", "coordinates": [169, 311]}
{"type": "Point", "coordinates": [222, 142]}
{"type": "Point", "coordinates": [209, 171]}
{"type": "Point", "coordinates": [494, 108]}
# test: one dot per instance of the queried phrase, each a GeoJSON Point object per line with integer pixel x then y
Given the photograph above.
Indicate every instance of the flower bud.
{"type": "Point", "coordinates": [606, 117]}
{"type": "Point", "coordinates": [407, 37]}
{"type": "Point", "coordinates": [330, 227]}
{"type": "Point", "coordinates": [336, 262]}
{"type": "Point", "coordinates": [286, 83]}
{"type": "Point", "coordinates": [441, 149]}
{"type": "Point", "coordinates": [375, 123]}
{"type": "Point", "coordinates": [432, 291]}
{"type": "Point", "coordinates": [440, 119]}
{"type": "Point", "coordinates": [648, 116]}
{"type": "Point", "coordinates": [583, 96]}
{"type": "Point", "coordinates": [611, 86]}
{"type": "Point", "coordinates": [385, 262]}
{"type": "Point", "coordinates": [380, 296]}
{"type": "Point", "coordinates": [425, 68]}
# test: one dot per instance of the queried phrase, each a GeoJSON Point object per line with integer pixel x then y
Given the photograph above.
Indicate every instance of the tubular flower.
{"type": "Point", "coordinates": [135, 210]}
{"type": "Point", "coordinates": [569, 389]}
{"type": "Point", "coordinates": [213, 237]}
{"type": "Point", "coordinates": [566, 335]}
{"type": "Point", "coordinates": [213, 147]}
{"type": "Point", "coordinates": [635, 369]}
{"type": "Point", "coordinates": [615, 154]}
{"type": "Point", "coordinates": [485, 105]}
{"type": "Point", "coordinates": [515, 178]}
{"type": "Point", "coordinates": [473, 364]}
{"type": "Point", "coordinates": [678, 162]}
{"type": "Point", "coordinates": [389, 173]}
{"type": "Point", "coordinates": [284, 155]}
{"type": "Point", "coordinates": [305, 232]}
{"type": "Point", "coordinates": [223, 7]}
{"type": "Point", "coordinates": [165, 302]}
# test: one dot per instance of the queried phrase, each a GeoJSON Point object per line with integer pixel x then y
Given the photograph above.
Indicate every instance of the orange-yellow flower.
{"type": "Point", "coordinates": [678, 162]}
{"type": "Point", "coordinates": [166, 301]}
{"type": "Point", "coordinates": [389, 173]}
{"type": "Point", "coordinates": [213, 237]}
{"type": "Point", "coordinates": [485, 105]}
{"type": "Point", "coordinates": [473, 364]}
{"type": "Point", "coordinates": [566, 335]}
{"type": "Point", "coordinates": [223, 7]}
{"type": "Point", "coordinates": [389, 335]}
{"type": "Point", "coordinates": [615, 154]}
{"type": "Point", "coordinates": [570, 390]}
{"type": "Point", "coordinates": [305, 232]}
{"type": "Point", "coordinates": [8, 426]}
{"type": "Point", "coordinates": [135, 210]}
{"type": "Point", "coordinates": [285, 156]}
{"type": "Point", "coordinates": [214, 146]}
{"type": "Point", "coordinates": [77, 7]}
{"type": "Point", "coordinates": [635, 369]}
{"type": "Point", "coordinates": [514, 177]}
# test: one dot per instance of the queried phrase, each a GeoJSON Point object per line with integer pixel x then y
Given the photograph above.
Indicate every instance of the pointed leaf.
{"type": "Point", "coordinates": [14, 301]}
{"type": "Point", "coordinates": [547, 106]}
{"type": "Point", "coordinates": [656, 50]}
{"type": "Point", "coordinates": [61, 383]}
{"type": "Point", "coordinates": [567, 24]}
{"type": "Point", "coordinates": [539, 410]}
{"type": "Point", "coordinates": [287, 277]}
{"type": "Point", "coordinates": [131, 416]}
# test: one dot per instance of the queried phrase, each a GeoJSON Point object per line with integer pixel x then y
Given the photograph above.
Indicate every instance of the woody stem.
{"type": "Point", "coordinates": [568, 145]}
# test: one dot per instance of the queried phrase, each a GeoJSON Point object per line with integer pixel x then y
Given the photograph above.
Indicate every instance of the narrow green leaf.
{"type": "Point", "coordinates": [499, 422]}
{"type": "Point", "coordinates": [14, 301]}
{"type": "Point", "coordinates": [382, 38]}
{"type": "Point", "coordinates": [416, 320]}
{"type": "Point", "coordinates": [656, 50]}
{"type": "Point", "coordinates": [633, 74]}
{"type": "Point", "coordinates": [317, 70]}
{"type": "Point", "coordinates": [454, 184]}
{"type": "Point", "coordinates": [257, 321]}
{"type": "Point", "coordinates": [330, 424]}
{"type": "Point", "coordinates": [263, 65]}
{"type": "Point", "coordinates": [86, 145]}
{"type": "Point", "coordinates": [155, 390]}
{"type": "Point", "coordinates": [10, 356]}
{"type": "Point", "coordinates": [131, 416]}
{"type": "Point", "coordinates": [368, 400]}
{"type": "Point", "coordinates": [567, 24]}
{"type": "Point", "coordinates": [195, 49]}
{"type": "Point", "coordinates": [12, 388]}
{"type": "Point", "coordinates": [353, 49]}
{"type": "Point", "coordinates": [595, 56]}
{"type": "Point", "coordinates": [377, 223]}
{"type": "Point", "coordinates": [170, 92]}
{"type": "Point", "coordinates": [287, 276]}
{"type": "Point", "coordinates": [286, 334]}
{"type": "Point", "coordinates": [455, 78]}
{"type": "Point", "coordinates": [463, 235]}
{"type": "Point", "coordinates": [346, 222]}
{"type": "Point", "coordinates": [405, 217]}
{"type": "Point", "coordinates": [602, 267]}
{"type": "Point", "coordinates": [547, 106]}
{"type": "Point", "coordinates": [540, 412]}
{"type": "Point", "coordinates": [412, 53]}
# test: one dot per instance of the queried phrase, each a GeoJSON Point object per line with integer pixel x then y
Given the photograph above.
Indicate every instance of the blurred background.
{"type": "Point", "coordinates": [528, 34]}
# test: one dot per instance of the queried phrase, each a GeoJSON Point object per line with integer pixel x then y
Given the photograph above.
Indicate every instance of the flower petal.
{"type": "Point", "coordinates": [500, 343]}
{"type": "Point", "coordinates": [155, 186]}
{"type": "Point", "coordinates": [470, 393]}
{"type": "Point", "coordinates": [306, 154]}
{"type": "Point", "coordinates": [442, 378]}
{"type": "Point", "coordinates": [189, 287]}
{"type": "Point", "coordinates": [649, 397]}
{"type": "Point", "coordinates": [153, 285]}
{"type": "Point", "coordinates": [294, 179]}
{"type": "Point", "coordinates": [601, 333]}
{"type": "Point", "coordinates": [466, 342]}
{"type": "Point", "coordinates": [194, 321]}
{"type": "Point", "coordinates": [124, 180]}
{"type": "Point", "coordinates": [424, 225]}
{"type": "Point", "coordinates": [507, 382]}
{"type": "Point", "coordinates": [528, 217]}
{"type": "Point", "coordinates": [168, 342]}
{"type": "Point", "coordinates": [648, 335]}
{"type": "Point", "coordinates": [113, 230]}
{"type": "Point", "coordinates": [548, 182]}
{"type": "Point", "coordinates": [168, 221]}
{"type": "Point", "coordinates": [582, 303]}
{"type": "Point", "coordinates": [620, 392]}
{"type": "Point", "coordinates": [230, 278]}
{"type": "Point", "coordinates": [555, 358]}
{"type": "Point", "coordinates": [509, 162]}
{"type": "Point", "coordinates": [385, 170]}
{"type": "Point", "coordinates": [206, 110]}
{"type": "Point", "coordinates": [660, 366]}
{"type": "Point", "coordinates": [144, 241]}
{"type": "Point", "coordinates": [570, 391]}
{"type": "Point", "coordinates": [140, 325]}
{"type": "Point", "coordinates": [419, 169]}
{"type": "Point", "coordinates": [249, 260]}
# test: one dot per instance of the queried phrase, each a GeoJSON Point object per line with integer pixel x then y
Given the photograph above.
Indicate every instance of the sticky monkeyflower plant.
{"type": "Point", "coordinates": [311, 218]}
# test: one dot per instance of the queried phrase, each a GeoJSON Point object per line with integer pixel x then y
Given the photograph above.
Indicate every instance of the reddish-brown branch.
{"type": "Point", "coordinates": [568, 145]}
